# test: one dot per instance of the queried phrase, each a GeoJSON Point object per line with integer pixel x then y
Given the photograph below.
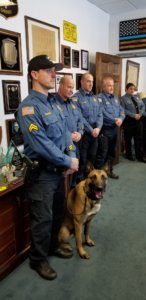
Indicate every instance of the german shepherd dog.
{"type": "Point", "coordinates": [83, 203]}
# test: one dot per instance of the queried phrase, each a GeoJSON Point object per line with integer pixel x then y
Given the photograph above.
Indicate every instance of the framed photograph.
{"type": "Point", "coordinates": [75, 58]}
{"type": "Point", "coordinates": [42, 38]}
{"type": "Point", "coordinates": [13, 132]}
{"type": "Point", "coordinates": [66, 56]}
{"type": "Point", "coordinates": [59, 75]}
{"type": "Point", "coordinates": [11, 95]}
{"type": "Point", "coordinates": [78, 80]}
{"type": "Point", "coordinates": [84, 60]}
{"type": "Point", "coordinates": [132, 73]}
{"type": "Point", "coordinates": [10, 52]}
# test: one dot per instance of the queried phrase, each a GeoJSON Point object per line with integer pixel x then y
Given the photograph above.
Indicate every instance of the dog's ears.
{"type": "Point", "coordinates": [89, 168]}
{"type": "Point", "coordinates": [87, 182]}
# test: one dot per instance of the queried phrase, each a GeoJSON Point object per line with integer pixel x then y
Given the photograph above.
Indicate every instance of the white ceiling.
{"type": "Point", "coordinates": [119, 6]}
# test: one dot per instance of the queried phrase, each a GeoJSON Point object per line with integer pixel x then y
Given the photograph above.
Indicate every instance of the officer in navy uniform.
{"type": "Point", "coordinates": [113, 116]}
{"type": "Point", "coordinates": [143, 97]}
{"type": "Point", "coordinates": [91, 109]}
{"type": "Point", "coordinates": [72, 114]}
{"type": "Point", "coordinates": [47, 141]}
{"type": "Point", "coordinates": [132, 126]}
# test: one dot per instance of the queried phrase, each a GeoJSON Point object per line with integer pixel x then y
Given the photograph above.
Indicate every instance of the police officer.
{"type": "Point", "coordinates": [47, 141]}
{"type": "Point", "coordinates": [113, 116]}
{"type": "Point", "coordinates": [71, 112]}
{"type": "Point", "coordinates": [132, 126]}
{"type": "Point", "coordinates": [91, 110]}
{"type": "Point", "coordinates": [143, 97]}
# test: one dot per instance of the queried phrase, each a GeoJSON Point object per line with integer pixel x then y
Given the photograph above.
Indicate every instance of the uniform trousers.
{"type": "Point", "coordinates": [106, 147]}
{"type": "Point", "coordinates": [46, 200]}
{"type": "Point", "coordinates": [133, 129]}
{"type": "Point", "coordinates": [88, 149]}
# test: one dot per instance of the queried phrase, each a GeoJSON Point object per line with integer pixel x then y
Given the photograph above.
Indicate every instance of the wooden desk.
{"type": "Point", "coordinates": [14, 227]}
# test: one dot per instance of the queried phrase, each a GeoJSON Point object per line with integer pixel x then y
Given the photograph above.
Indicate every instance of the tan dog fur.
{"type": "Point", "coordinates": [81, 209]}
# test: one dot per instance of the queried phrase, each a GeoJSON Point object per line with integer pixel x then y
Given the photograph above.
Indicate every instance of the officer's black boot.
{"type": "Point", "coordinates": [44, 269]}
{"type": "Point", "coordinates": [111, 173]}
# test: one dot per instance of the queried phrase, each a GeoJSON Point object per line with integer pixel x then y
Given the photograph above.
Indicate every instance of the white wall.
{"type": "Point", "coordinates": [92, 27]}
{"type": "Point", "coordinates": [142, 72]}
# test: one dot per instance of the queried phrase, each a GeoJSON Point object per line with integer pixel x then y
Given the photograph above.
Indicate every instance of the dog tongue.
{"type": "Point", "coordinates": [98, 195]}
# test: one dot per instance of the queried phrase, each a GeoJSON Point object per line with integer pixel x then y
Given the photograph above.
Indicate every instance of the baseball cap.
{"type": "Point", "coordinates": [43, 62]}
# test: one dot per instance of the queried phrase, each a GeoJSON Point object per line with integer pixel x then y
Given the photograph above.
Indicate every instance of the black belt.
{"type": "Point", "coordinates": [46, 165]}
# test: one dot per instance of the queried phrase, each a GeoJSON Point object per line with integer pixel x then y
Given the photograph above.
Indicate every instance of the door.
{"type": "Point", "coordinates": [109, 65]}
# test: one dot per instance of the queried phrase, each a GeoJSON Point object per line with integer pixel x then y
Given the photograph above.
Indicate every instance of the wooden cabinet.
{"type": "Point", "coordinates": [14, 228]}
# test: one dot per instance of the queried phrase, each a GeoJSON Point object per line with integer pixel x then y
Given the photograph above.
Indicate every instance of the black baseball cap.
{"type": "Point", "coordinates": [42, 62]}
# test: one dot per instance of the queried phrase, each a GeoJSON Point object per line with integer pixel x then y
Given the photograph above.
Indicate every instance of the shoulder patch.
{"type": "Point", "coordinates": [32, 127]}
{"type": "Point", "coordinates": [27, 110]}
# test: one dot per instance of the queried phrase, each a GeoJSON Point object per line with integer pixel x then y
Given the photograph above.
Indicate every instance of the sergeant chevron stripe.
{"type": "Point", "coordinates": [32, 127]}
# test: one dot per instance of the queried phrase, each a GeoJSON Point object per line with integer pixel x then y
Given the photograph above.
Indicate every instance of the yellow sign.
{"type": "Point", "coordinates": [69, 32]}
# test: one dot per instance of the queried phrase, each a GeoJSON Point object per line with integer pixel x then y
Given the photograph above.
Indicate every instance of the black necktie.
{"type": "Point", "coordinates": [135, 104]}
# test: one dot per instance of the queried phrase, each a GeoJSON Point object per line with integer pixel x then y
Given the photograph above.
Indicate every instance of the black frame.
{"type": "Point", "coordinates": [75, 58]}
{"type": "Point", "coordinates": [11, 95]}
{"type": "Point", "coordinates": [84, 60]}
{"type": "Point", "coordinates": [13, 39]}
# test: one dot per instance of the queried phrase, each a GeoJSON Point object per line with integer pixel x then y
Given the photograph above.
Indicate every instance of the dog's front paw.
{"type": "Point", "coordinates": [90, 242]}
{"type": "Point", "coordinates": [83, 254]}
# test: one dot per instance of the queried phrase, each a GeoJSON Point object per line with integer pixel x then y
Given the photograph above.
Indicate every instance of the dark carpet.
{"type": "Point", "coordinates": [116, 269]}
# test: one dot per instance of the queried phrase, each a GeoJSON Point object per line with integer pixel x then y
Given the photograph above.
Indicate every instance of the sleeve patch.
{"type": "Point", "coordinates": [70, 147]}
{"type": "Point", "coordinates": [33, 127]}
{"type": "Point", "coordinates": [27, 110]}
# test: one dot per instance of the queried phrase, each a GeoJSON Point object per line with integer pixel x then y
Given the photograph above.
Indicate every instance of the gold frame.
{"type": "Point", "coordinates": [132, 73]}
{"type": "Point", "coordinates": [42, 38]}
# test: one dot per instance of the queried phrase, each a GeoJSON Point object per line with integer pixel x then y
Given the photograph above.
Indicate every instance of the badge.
{"type": "Point", "coordinates": [8, 8]}
{"type": "Point", "coordinates": [94, 99]}
{"type": "Point", "coordinates": [33, 127]}
{"type": "Point", "coordinates": [99, 99]}
{"type": "Point", "coordinates": [48, 113]}
{"type": "Point", "coordinates": [70, 147]}
{"type": "Point", "coordinates": [27, 110]}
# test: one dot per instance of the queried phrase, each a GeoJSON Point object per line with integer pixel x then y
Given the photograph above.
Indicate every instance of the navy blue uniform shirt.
{"type": "Point", "coordinates": [111, 109]}
{"type": "Point", "coordinates": [129, 107]}
{"type": "Point", "coordinates": [44, 130]}
{"type": "Point", "coordinates": [91, 109]}
{"type": "Point", "coordinates": [72, 115]}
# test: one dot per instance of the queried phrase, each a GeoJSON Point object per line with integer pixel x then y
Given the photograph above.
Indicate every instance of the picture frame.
{"type": "Point", "coordinates": [42, 38]}
{"type": "Point", "coordinates": [132, 73]}
{"type": "Point", "coordinates": [78, 80]}
{"type": "Point", "coordinates": [84, 60]}
{"type": "Point", "coordinates": [11, 95]}
{"type": "Point", "coordinates": [10, 52]}
{"type": "Point", "coordinates": [59, 75]}
{"type": "Point", "coordinates": [75, 58]}
{"type": "Point", "coordinates": [66, 56]}
{"type": "Point", "coordinates": [13, 132]}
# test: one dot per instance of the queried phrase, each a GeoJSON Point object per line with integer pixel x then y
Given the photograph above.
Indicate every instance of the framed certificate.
{"type": "Point", "coordinates": [84, 60]}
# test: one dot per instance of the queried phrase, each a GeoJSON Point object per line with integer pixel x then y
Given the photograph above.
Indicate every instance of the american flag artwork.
{"type": "Point", "coordinates": [132, 34]}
